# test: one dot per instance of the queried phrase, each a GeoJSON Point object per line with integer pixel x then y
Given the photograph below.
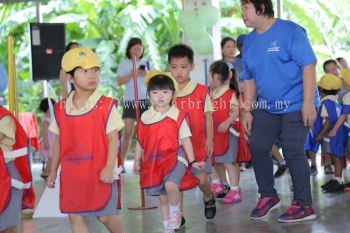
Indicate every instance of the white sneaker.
{"type": "Point", "coordinates": [174, 220]}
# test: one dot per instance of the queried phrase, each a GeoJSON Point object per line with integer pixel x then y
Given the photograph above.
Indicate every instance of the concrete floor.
{"type": "Point", "coordinates": [333, 211]}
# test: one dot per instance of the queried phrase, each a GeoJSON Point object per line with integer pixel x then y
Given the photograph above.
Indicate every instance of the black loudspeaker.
{"type": "Point", "coordinates": [47, 48]}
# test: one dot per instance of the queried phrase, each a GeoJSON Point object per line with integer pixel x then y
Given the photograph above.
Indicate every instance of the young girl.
{"type": "Point", "coordinates": [161, 131]}
{"type": "Point", "coordinates": [226, 110]}
{"type": "Point", "coordinates": [86, 126]}
{"type": "Point", "coordinates": [125, 77]}
{"type": "Point", "coordinates": [47, 137]}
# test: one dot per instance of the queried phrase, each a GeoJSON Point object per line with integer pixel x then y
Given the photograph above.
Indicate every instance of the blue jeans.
{"type": "Point", "coordinates": [290, 129]}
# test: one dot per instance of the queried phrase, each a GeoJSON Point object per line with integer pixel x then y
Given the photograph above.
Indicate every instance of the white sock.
{"type": "Point", "coordinates": [216, 181]}
{"type": "Point", "coordinates": [165, 223]}
{"type": "Point", "coordinates": [282, 162]}
{"type": "Point", "coordinates": [235, 188]}
{"type": "Point", "coordinates": [174, 208]}
{"type": "Point", "coordinates": [339, 179]}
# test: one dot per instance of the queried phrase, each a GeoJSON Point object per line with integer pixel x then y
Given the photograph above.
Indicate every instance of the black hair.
{"type": "Point", "coordinates": [328, 92]}
{"type": "Point", "coordinates": [330, 61]}
{"type": "Point", "coordinates": [339, 59]}
{"type": "Point", "coordinates": [160, 82]}
{"type": "Point", "coordinates": [133, 41]}
{"type": "Point", "coordinates": [70, 44]}
{"type": "Point", "coordinates": [221, 68]}
{"type": "Point", "coordinates": [44, 104]}
{"type": "Point", "coordinates": [180, 51]}
{"type": "Point", "coordinates": [262, 7]}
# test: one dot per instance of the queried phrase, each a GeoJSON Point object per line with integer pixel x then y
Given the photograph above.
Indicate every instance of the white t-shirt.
{"type": "Point", "coordinates": [124, 69]}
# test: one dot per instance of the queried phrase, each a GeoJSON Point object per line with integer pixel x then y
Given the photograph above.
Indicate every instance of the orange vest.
{"type": "Point", "coordinates": [83, 155]}
{"type": "Point", "coordinates": [159, 141]}
{"type": "Point", "coordinates": [194, 105]}
{"type": "Point", "coordinates": [19, 153]}
{"type": "Point", "coordinates": [221, 140]}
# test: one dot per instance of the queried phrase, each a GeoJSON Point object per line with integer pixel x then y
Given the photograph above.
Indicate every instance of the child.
{"type": "Point", "coordinates": [16, 179]}
{"type": "Point", "coordinates": [47, 137]}
{"type": "Point", "coordinates": [86, 127]}
{"type": "Point", "coordinates": [226, 108]}
{"type": "Point", "coordinates": [164, 171]}
{"type": "Point", "coordinates": [344, 118]}
{"type": "Point", "coordinates": [193, 98]}
{"type": "Point", "coordinates": [334, 146]}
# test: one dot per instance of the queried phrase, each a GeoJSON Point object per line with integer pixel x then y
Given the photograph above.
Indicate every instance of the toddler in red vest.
{"type": "Point", "coordinates": [160, 133]}
{"type": "Point", "coordinates": [86, 128]}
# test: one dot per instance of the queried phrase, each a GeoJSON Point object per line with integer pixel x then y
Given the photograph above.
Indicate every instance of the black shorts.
{"type": "Point", "coordinates": [129, 110]}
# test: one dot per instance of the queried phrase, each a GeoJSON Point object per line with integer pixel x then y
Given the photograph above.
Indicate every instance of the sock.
{"type": "Point", "coordinates": [339, 179]}
{"type": "Point", "coordinates": [165, 223]}
{"type": "Point", "coordinates": [235, 188]}
{"type": "Point", "coordinates": [174, 208]}
{"type": "Point", "coordinates": [282, 162]}
{"type": "Point", "coordinates": [216, 181]}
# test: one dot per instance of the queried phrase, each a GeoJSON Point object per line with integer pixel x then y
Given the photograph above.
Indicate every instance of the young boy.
{"type": "Point", "coordinates": [194, 99]}
{"type": "Point", "coordinates": [86, 127]}
{"type": "Point", "coordinates": [15, 176]}
{"type": "Point", "coordinates": [334, 146]}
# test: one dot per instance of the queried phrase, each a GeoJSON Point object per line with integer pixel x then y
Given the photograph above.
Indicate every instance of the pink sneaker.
{"type": "Point", "coordinates": [174, 220]}
{"type": "Point", "coordinates": [233, 196]}
{"type": "Point", "coordinates": [217, 189]}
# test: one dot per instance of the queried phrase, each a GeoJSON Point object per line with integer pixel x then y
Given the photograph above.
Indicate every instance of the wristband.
{"type": "Point", "coordinates": [194, 161]}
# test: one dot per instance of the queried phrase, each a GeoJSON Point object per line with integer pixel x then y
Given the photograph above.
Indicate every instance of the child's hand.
{"type": "Point", "coordinates": [332, 133]}
{"type": "Point", "coordinates": [50, 182]}
{"type": "Point", "coordinates": [141, 73]}
{"type": "Point", "coordinates": [198, 165]}
{"type": "Point", "coordinates": [106, 175]}
{"type": "Point", "coordinates": [223, 127]}
{"type": "Point", "coordinates": [137, 167]}
{"type": "Point", "coordinates": [319, 138]}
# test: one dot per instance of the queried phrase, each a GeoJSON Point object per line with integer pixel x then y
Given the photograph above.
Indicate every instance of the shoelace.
{"type": "Point", "coordinates": [262, 202]}
{"type": "Point", "coordinates": [292, 209]}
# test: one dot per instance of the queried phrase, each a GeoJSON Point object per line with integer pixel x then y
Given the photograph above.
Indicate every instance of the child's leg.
{"type": "Point", "coordinates": [173, 193]}
{"type": "Point", "coordinates": [312, 156]}
{"type": "Point", "coordinates": [164, 209]}
{"type": "Point", "coordinates": [338, 168]}
{"type": "Point", "coordinates": [78, 224]}
{"type": "Point", "coordinates": [204, 185]}
{"type": "Point", "coordinates": [233, 174]}
{"type": "Point", "coordinates": [215, 175]}
{"type": "Point", "coordinates": [222, 173]}
{"type": "Point", "coordinates": [112, 222]}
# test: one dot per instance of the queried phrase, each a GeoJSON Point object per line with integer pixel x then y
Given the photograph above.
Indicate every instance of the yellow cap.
{"type": "Point", "coordinates": [155, 72]}
{"type": "Point", "coordinates": [79, 57]}
{"type": "Point", "coordinates": [330, 82]}
{"type": "Point", "coordinates": [345, 75]}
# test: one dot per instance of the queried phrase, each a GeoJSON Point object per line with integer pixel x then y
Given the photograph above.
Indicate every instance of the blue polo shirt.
{"type": "Point", "coordinates": [275, 59]}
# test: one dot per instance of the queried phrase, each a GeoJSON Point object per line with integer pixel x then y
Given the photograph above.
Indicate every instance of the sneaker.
{"type": "Point", "coordinates": [174, 220]}
{"type": "Point", "coordinates": [328, 169]}
{"type": "Point", "coordinates": [233, 196]}
{"type": "Point", "coordinates": [327, 184]}
{"type": "Point", "coordinates": [226, 190]}
{"type": "Point", "coordinates": [217, 189]}
{"type": "Point", "coordinates": [210, 208]}
{"type": "Point", "coordinates": [183, 222]}
{"type": "Point", "coordinates": [280, 171]}
{"type": "Point", "coordinates": [313, 170]}
{"type": "Point", "coordinates": [297, 213]}
{"type": "Point", "coordinates": [347, 187]}
{"type": "Point", "coordinates": [264, 206]}
{"type": "Point", "coordinates": [334, 186]}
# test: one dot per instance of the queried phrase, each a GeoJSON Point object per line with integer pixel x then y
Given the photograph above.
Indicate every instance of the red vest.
{"type": "Point", "coordinates": [221, 140]}
{"type": "Point", "coordinates": [159, 141]}
{"type": "Point", "coordinates": [22, 165]}
{"type": "Point", "coordinates": [83, 155]}
{"type": "Point", "coordinates": [194, 104]}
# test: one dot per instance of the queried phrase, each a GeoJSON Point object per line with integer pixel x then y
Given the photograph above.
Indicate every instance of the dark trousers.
{"type": "Point", "coordinates": [290, 129]}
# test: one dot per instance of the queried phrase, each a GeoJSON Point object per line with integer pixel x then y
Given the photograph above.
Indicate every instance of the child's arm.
{"type": "Point", "coordinates": [324, 130]}
{"type": "Point", "coordinates": [106, 175]}
{"type": "Point", "coordinates": [55, 162]}
{"type": "Point", "coordinates": [137, 163]}
{"type": "Point", "coordinates": [187, 144]}
{"type": "Point", "coordinates": [224, 126]}
{"type": "Point", "coordinates": [340, 121]}
{"type": "Point", "coordinates": [209, 130]}
{"type": "Point", "coordinates": [45, 129]}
